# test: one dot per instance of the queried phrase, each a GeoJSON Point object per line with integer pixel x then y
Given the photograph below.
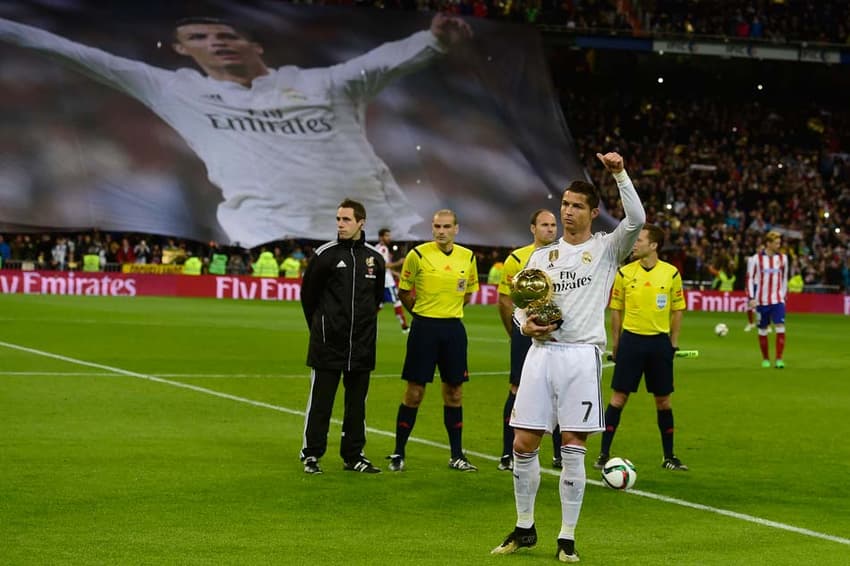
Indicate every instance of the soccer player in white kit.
{"type": "Point", "coordinates": [561, 377]}
{"type": "Point", "coordinates": [282, 145]}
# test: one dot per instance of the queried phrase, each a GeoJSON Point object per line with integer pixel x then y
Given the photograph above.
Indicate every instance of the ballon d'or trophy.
{"type": "Point", "coordinates": [531, 289]}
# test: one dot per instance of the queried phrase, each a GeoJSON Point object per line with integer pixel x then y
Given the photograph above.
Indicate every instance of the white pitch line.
{"type": "Point", "coordinates": [305, 375]}
{"type": "Point", "coordinates": [252, 402]}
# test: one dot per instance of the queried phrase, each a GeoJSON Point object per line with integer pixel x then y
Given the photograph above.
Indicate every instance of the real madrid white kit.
{"type": "Point", "coordinates": [561, 374]}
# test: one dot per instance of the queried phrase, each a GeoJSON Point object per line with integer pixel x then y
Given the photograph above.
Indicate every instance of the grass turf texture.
{"type": "Point", "coordinates": [99, 467]}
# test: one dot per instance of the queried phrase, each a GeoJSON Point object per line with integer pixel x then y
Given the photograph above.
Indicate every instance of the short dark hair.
{"type": "Point", "coordinates": [537, 213]}
{"type": "Point", "coordinates": [383, 231]}
{"type": "Point", "coordinates": [587, 189]}
{"type": "Point", "coordinates": [358, 208]}
{"type": "Point", "coordinates": [207, 20]}
{"type": "Point", "coordinates": [656, 235]}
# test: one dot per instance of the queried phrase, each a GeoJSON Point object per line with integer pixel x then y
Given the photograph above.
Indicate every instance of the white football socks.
{"type": "Point", "coordinates": [526, 482]}
{"type": "Point", "coordinates": [571, 487]}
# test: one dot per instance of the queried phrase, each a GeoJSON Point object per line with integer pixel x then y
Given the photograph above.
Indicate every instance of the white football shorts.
{"type": "Point", "coordinates": [560, 385]}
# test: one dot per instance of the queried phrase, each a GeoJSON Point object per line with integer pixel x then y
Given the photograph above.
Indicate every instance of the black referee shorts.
{"type": "Point", "coordinates": [651, 356]}
{"type": "Point", "coordinates": [436, 343]}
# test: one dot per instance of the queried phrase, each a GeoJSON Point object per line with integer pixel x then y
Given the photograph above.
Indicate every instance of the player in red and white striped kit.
{"type": "Point", "coordinates": [385, 239]}
{"type": "Point", "coordinates": [767, 286]}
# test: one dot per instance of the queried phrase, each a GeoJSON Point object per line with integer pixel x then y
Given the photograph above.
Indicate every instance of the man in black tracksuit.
{"type": "Point", "coordinates": [341, 291]}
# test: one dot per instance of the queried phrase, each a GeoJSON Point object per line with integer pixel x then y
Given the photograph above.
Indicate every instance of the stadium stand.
{"type": "Point", "coordinates": [722, 151]}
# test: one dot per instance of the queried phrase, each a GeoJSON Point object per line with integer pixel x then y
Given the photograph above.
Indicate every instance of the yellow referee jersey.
{"type": "Point", "coordinates": [647, 297]}
{"type": "Point", "coordinates": [513, 264]}
{"type": "Point", "coordinates": [441, 280]}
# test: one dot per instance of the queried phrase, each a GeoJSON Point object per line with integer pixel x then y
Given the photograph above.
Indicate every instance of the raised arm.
{"type": "Point", "coordinates": [629, 228]}
{"type": "Point", "coordinates": [135, 78]}
{"type": "Point", "coordinates": [364, 76]}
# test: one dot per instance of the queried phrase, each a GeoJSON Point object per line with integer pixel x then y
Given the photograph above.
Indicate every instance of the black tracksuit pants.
{"type": "Point", "coordinates": [322, 394]}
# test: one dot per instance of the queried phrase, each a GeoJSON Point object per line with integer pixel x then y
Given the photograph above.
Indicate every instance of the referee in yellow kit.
{"type": "Point", "coordinates": [443, 276]}
{"type": "Point", "coordinates": [647, 303]}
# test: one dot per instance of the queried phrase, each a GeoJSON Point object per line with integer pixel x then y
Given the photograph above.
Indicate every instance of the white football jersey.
{"type": "Point", "coordinates": [583, 274]}
{"type": "Point", "coordinates": [389, 280]}
{"type": "Point", "coordinates": [284, 151]}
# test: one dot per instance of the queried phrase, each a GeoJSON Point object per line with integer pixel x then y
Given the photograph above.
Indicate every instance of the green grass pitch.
{"type": "Point", "coordinates": [166, 431]}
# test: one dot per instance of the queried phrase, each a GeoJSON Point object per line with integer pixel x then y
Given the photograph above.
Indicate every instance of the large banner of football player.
{"type": "Point", "coordinates": [248, 122]}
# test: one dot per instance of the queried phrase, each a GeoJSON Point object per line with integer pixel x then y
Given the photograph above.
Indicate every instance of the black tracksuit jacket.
{"type": "Point", "coordinates": [341, 291]}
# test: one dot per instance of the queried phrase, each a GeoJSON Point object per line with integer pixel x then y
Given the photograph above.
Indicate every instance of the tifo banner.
{"type": "Point", "coordinates": [279, 289]}
{"type": "Point", "coordinates": [251, 120]}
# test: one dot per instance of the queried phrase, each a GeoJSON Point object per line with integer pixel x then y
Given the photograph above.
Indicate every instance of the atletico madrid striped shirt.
{"type": "Point", "coordinates": [767, 278]}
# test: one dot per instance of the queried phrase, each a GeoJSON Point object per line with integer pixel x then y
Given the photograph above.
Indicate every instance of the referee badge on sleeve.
{"type": "Point", "coordinates": [661, 301]}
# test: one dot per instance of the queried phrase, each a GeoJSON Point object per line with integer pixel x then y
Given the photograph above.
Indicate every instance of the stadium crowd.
{"type": "Point", "coordinates": [716, 173]}
{"type": "Point", "coordinates": [827, 21]}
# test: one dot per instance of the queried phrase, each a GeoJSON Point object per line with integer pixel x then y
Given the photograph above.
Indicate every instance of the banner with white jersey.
{"type": "Point", "coordinates": [248, 122]}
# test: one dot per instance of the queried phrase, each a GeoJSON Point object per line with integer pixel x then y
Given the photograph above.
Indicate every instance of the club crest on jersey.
{"type": "Point", "coordinates": [553, 256]}
{"type": "Point", "coordinates": [586, 257]}
{"type": "Point", "coordinates": [370, 261]}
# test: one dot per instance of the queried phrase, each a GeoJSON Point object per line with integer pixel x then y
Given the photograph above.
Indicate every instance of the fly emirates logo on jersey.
{"type": "Point", "coordinates": [303, 122]}
{"type": "Point", "coordinates": [568, 280]}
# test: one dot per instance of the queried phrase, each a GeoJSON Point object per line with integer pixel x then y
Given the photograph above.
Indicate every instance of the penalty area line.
{"type": "Point", "coordinates": [663, 498]}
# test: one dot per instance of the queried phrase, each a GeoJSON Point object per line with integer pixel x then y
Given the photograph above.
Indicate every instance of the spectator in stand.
{"type": "Point", "coordinates": [724, 274]}
{"type": "Point", "coordinates": [5, 251]}
{"type": "Point", "coordinates": [44, 250]}
{"type": "Point", "coordinates": [156, 254]}
{"type": "Point", "coordinates": [59, 254]}
{"type": "Point", "coordinates": [235, 264]}
{"type": "Point", "coordinates": [290, 267]}
{"type": "Point", "coordinates": [193, 265]}
{"type": "Point", "coordinates": [265, 266]}
{"type": "Point", "coordinates": [216, 260]}
{"type": "Point", "coordinates": [125, 253]}
{"type": "Point", "coordinates": [142, 252]}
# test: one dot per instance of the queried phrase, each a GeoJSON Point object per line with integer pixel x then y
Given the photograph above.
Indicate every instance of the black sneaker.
{"type": "Point", "coordinates": [361, 465]}
{"type": "Point", "coordinates": [311, 465]}
{"type": "Point", "coordinates": [674, 464]}
{"type": "Point", "coordinates": [557, 463]}
{"type": "Point", "coordinates": [518, 538]}
{"type": "Point", "coordinates": [601, 461]}
{"type": "Point", "coordinates": [506, 462]}
{"type": "Point", "coordinates": [566, 550]}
